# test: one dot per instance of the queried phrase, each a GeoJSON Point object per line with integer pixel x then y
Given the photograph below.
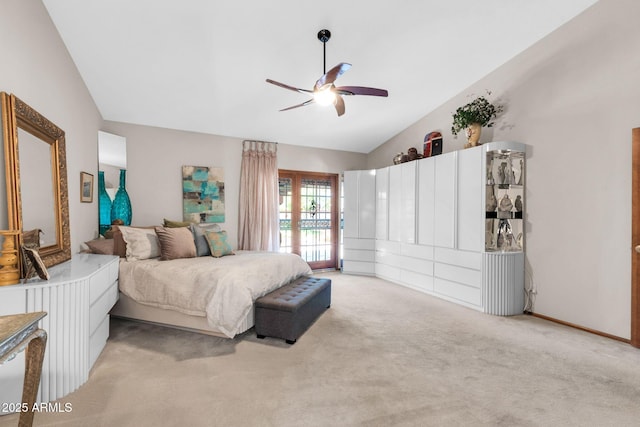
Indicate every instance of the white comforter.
{"type": "Point", "coordinates": [222, 289]}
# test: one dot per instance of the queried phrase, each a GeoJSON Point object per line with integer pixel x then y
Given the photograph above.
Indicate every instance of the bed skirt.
{"type": "Point", "coordinates": [127, 308]}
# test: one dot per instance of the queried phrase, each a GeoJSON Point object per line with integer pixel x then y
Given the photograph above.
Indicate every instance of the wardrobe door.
{"type": "Point", "coordinates": [351, 217]}
{"type": "Point", "coordinates": [470, 226]}
{"type": "Point", "coordinates": [395, 203]}
{"type": "Point", "coordinates": [382, 204]}
{"type": "Point", "coordinates": [408, 210]}
{"type": "Point", "coordinates": [445, 200]}
{"type": "Point", "coordinates": [426, 196]}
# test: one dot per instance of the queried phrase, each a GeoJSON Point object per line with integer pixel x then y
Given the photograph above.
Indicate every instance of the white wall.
{"type": "Point", "coordinates": [155, 157]}
{"type": "Point", "coordinates": [37, 68]}
{"type": "Point", "coordinates": [573, 98]}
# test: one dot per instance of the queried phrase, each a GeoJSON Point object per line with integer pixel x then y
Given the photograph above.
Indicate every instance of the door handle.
{"type": "Point", "coordinates": [637, 248]}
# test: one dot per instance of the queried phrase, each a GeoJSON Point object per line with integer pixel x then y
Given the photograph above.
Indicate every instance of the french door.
{"type": "Point", "coordinates": [309, 217]}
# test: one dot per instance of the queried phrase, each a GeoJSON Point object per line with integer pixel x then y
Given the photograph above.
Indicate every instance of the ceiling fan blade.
{"type": "Point", "coordinates": [339, 105]}
{"type": "Point", "coordinates": [296, 89]}
{"type": "Point", "coordinates": [299, 105]}
{"type": "Point", "coordinates": [331, 75]}
{"type": "Point", "coordinates": [361, 90]}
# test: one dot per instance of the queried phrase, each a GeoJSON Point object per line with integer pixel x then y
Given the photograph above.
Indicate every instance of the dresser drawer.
{"type": "Point", "coordinates": [101, 307]}
{"type": "Point", "coordinates": [102, 280]}
{"type": "Point", "coordinates": [98, 340]}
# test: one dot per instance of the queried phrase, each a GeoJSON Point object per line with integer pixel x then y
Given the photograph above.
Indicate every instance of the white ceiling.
{"type": "Point", "coordinates": [201, 65]}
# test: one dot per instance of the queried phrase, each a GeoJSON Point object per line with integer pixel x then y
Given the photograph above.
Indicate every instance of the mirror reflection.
{"type": "Point", "coordinates": [36, 187]}
{"type": "Point", "coordinates": [112, 157]}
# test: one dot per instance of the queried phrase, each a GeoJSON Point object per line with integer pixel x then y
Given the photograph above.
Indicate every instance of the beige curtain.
{"type": "Point", "coordinates": [258, 226]}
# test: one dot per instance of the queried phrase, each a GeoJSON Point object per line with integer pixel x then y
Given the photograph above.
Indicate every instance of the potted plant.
{"type": "Point", "coordinates": [473, 116]}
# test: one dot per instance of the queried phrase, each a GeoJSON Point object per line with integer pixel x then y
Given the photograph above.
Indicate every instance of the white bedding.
{"type": "Point", "coordinates": [222, 289]}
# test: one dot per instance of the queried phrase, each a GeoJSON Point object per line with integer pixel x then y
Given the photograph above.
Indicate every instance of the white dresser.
{"type": "Point", "coordinates": [77, 299]}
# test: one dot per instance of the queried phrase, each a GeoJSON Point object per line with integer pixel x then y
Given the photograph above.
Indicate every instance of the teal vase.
{"type": "Point", "coordinates": [121, 207]}
{"type": "Point", "coordinates": [104, 203]}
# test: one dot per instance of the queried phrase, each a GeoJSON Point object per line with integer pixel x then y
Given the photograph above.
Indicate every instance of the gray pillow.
{"type": "Point", "coordinates": [202, 245]}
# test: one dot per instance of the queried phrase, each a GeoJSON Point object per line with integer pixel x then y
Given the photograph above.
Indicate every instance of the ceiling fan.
{"type": "Point", "coordinates": [325, 91]}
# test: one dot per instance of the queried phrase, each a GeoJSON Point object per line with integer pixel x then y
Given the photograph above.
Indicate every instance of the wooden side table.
{"type": "Point", "coordinates": [17, 332]}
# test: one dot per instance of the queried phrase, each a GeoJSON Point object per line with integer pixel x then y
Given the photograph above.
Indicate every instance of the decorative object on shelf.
{"type": "Point", "coordinates": [36, 263]}
{"type": "Point", "coordinates": [121, 207]}
{"type": "Point", "coordinates": [473, 116]}
{"type": "Point", "coordinates": [413, 154]}
{"type": "Point", "coordinates": [86, 187]}
{"type": "Point", "coordinates": [489, 244]}
{"type": "Point", "coordinates": [203, 194]}
{"type": "Point", "coordinates": [505, 173]}
{"type": "Point", "coordinates": [9, 260]}
{"type": "Point", "coordinates": [492, 201]}
{"type": "Point", "coordinates": [432, 144]}
{"type": "Point", "coordinates": [505, 240]}
{"type": "Point", "coordinates": [505, 206]}
{"type": "Point", "coordinates": [521, 172]}
{"type": "Point", "coordinates": [405, 158]}
{"type": "Point", "coordinates": [518, 203]}
{"type": "Point", "coordinates": [397, 159]}
{"type": "Point", "coordinates": [104, 204]}
{"type": "Point", "coordinates": [490, 179]}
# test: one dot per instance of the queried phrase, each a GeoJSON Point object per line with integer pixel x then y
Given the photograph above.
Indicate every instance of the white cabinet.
{"type": "Point", "coordinates": [426, 184]}
{"type": "Point", "coordinates": [77, 299]}
{"type": "Point", "coordinates": [470, 206]}
{"type": "Point", "coordinates": [434, 231]}
{"type": "Point", "coordinates": [408, 210]}
{"type": "Point", "coordinates": [382, 204]}
{"type": "Point", "coordinates": [445, 199]}
{"type": "Point", "coordinates": [402, 203]}
{"type": "Point", "coordinates": [395, 203]}
{"type": "Point", "coordinates": [359, 222]}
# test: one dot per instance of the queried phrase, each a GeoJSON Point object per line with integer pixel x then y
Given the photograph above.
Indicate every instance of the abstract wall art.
{"type": "Point", "coordinates": [203, 194]}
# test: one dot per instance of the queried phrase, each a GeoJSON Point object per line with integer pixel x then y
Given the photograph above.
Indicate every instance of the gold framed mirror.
{"type": "Point", "coordinates": [36, 177]}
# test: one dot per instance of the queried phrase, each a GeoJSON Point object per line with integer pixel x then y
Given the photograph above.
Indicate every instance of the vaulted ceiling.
{"type": "Point", "coordinates": [201, 65]}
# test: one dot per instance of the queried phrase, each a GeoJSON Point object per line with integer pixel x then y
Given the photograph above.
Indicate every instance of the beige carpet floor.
{"type": "Point", "coordinates": [382, 355]}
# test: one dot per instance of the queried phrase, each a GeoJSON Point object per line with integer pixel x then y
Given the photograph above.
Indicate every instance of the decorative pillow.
{"type": "Point", "coordinates": [175, 224]}
{"type": "Point", "coordinates": [218, 243]}
{"type": "Point", "coordinates": [101, 246]}
{"type": "Point", "coordinates": [175, 243]}
{"type": "Point", "coordinates": [142, 243]}
{"type": "Point", "coordinates": [202, 246]}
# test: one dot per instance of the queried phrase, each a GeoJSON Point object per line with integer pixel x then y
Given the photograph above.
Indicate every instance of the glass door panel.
{"type": "Point", "coordinates": [309, 216]}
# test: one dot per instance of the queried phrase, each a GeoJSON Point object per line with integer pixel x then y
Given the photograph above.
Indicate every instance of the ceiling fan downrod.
{"type": "Point", "coordinates": [324, 36]}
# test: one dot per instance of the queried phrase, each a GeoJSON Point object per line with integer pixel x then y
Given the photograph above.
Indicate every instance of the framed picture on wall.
{"type": "Point", "coordinates": [86, 187]}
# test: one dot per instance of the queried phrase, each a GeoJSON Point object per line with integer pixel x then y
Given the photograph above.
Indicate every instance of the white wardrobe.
{"type": "Point", "coordinates": [434, 225]}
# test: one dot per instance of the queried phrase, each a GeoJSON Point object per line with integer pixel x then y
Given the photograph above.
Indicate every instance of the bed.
{"type": "Point", "coordinates": [202, 293]}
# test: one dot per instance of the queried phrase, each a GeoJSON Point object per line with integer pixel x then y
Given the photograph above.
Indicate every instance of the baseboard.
{"type": "Point", "coordinates": [582, 328]}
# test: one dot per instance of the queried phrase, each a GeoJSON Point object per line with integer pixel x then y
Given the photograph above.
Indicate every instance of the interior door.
{"type": "Point", "coordinates": [635, 240]}
{"type": "Point", "coordinates": [309, 217]}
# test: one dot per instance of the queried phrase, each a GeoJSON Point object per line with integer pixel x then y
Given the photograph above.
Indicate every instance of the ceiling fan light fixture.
{"type": "Point", "coordinates": [325, 96]}
{"type": "Point", "coordinates": [324, 92]}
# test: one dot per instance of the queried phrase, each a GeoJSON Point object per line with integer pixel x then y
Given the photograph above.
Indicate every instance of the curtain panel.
{"type": "Point", "coordinates": [258, 224]}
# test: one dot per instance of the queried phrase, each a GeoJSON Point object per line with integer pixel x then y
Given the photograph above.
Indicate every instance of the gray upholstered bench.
{"type": "Point", "coordinates": [289, 311]}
